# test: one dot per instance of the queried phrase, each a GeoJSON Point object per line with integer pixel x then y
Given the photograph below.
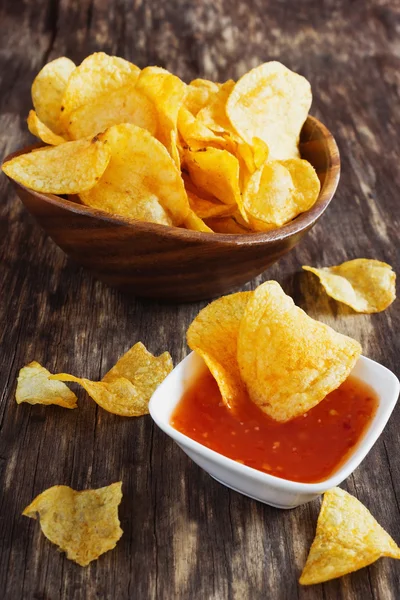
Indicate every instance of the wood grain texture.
{"type": "Point", "coordinates": [186, 536]}
{"type": "Point", "coordinates": [154, 261]}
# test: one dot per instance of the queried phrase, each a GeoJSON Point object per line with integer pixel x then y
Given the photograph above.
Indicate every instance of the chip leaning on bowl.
{"type": "Point", "coordinates": [147, 146]}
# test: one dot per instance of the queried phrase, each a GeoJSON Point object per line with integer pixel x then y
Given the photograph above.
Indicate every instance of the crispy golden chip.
{"type": "Point", "coordinates": [199, 94]}
{"type": "Point", "coordinates": [84, 524]}
{"type": "Point", "coordinates": [253, 156]}
{"type": "Point", "coordinates": [213, 335]}
{"type": "Point", "coordinates": [122, 105]}
{"type": "Point", "coordinates": [367, 285]}
{"type": "Point", "coordinates": [97, 75]}
{"type": "Point", "coordinates": [48, 89]}
{"type": "Point", "coordinates": [348, 538]}
{"type": "Point", "coordinates": [127, 388]}
{"type": "Point", "coordinates": [167, 92]}
{"type": "Point", "coordinates": [35, 387]}
{"type": "Point", "coordinates": [197, 136]}
{"type": "Point", "coordinates": [227, 225]}
{"type": "Point", "coordinates": [279, 192]}
{"type": "Point", "coordinates": [140, 171]}
{"type": "Point", "coordinates": [270, 102]}
{"type": "Point", "coordinates": [41, 131]}
{"type": "Point", "coordinates": [204, 205]}
{"type": "Point", "coordinates": [195, 223]}
{"type": "Point", "coordinates": [216, 172]}
{"type": "Point", "coordinates": [288, 361]}
{"type": "Point", "coordinates": [69, 168]}
{"type": "Point", "coordinates": [213, 115]}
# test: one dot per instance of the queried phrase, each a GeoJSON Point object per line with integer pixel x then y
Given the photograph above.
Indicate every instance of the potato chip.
{"type": "Point", "coordinates": [199, 94]}
{"type": "Point", "coordinates": [288, 361]}
{"type": "Point", "coordinates": [131, 179]}
{"type": "Point", "coordinates": [69, 168]}
{"type": "Point", "coordinates": [122, 105]}
{"type": "Point", "coordinates": [203, 204]}
{"type": "Point", "coordinates": [35, 387]}
{"type": "Point", "coordinates": [41, 131]}
{"type": "Point", "coordinates": [348, 538]}
{"type": "Point", "coordinates": [127, 388]}
{"type": "Point", "coordinates": [213, 115]}
{"type": "Point", "coordinates": [367, 285]}
{"type": "Point", "coordinates": [48, 89]}
{"type": "Point", "coordinates": [279, 192]}
{"type": "Point", "coordinates": [97, 75]}
{"type": "Point", "coordinates": [167, 92]}
{"type": "Point", "coordinates": [216, 172]}
{"type": "Point", "coordinates": [197, 136]}
{"type": "Point", "coordinates": [270, 102]}
{"type": "Point", "coordinates": [195, 223]}
{"type": "Point", "coordinates": [84, 524]}
{"type": "Point", "coordinates": [213, 335]}
{"type": "Point", "coordinates": [227, 225]}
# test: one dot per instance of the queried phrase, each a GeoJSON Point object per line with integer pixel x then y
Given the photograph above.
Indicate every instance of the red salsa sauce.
{"type": "Point", "coordinates": [309, 448]}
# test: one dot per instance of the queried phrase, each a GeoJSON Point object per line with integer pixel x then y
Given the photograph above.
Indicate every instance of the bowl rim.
{"type": "Point", "coordinates": [370, 437]}
{"type": "Point", "coordinates": [302, 222]}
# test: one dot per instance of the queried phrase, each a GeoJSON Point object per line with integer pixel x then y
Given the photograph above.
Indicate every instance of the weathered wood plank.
{"type": "Point", "coordinates": [186, 536]}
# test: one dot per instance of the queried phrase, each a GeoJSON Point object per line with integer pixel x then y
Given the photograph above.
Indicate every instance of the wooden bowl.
{"type": "Point", "coordinates": [155, 261]}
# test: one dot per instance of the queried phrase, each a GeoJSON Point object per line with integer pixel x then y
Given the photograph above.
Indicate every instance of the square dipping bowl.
{"type": "Point", "coordinates": [269, 489]}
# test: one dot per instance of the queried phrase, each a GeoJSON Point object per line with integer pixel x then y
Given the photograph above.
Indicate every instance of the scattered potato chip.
{"type": "Point", "coordinates": [168, 93]}
{"type": "Point", "coordinates": [278, 192]}
{"type": "Point", "coordinates": [131, 179]}
{"type": "Point", "coordinates": [367, 285]}
{"type": "Point", "coordinates": [122, 105]}
{"type": "Point", "coordinates": [84, 524]}
{"type": "Point", "coordinates": [216, 172]}
{"type": "Point", "coordinates": [97, 75]}
{"type": "Point", "coordinates": [35, 387]}
{"type": "Point", "coordinates": [69, 168]}
{"type": "Point", "coordinates": [213, 335]}
{"type": "Point", "coordinates": [348, 538]}
{"type": "Point", "coordinates": [270, 102]}
{"type": "Point", "coordinates": [127, 388]}
{"type": "Point", "coordinates": [48, 89]}
{"type": "Point", "coordinates": [288, 361]}
{"type": "Point", "coordinates": [41, 131]}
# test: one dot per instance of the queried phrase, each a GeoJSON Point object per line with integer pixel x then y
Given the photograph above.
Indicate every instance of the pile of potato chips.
{"type": "Point", "coordinates": [145, 145]}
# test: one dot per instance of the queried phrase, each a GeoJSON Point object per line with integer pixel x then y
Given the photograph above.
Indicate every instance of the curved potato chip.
{"type": "Point", "coordinates": [227, 225]}
{"type": "Point", "coordinates": [203, 204]}
{"type": "Point", "coordinates": [84, 524]}
{"type": "Point", "coordinates": [288, 361]}
{"type": "Point", "coordinates": [127, 388]}
{"type": "Point", "coordinates": [270, 102]}
{"type": "Point", "coordinates": [122, 105]}
{"type": "Point", "coordinates": [348, 538]}
{"type": "Point", "coordinates": [69, 168]}
{"type": "Point", "coordinates": [41, 131]}
{"type": "Point", "coordinates": [213, 335]}
{"type": "Point", "coordinates": [279, 192]}
{"type": "Point", "coordinates": [367, 285]}
{"type": "Point", "coordinates": [167, 92]}
{"type": "Point", "coordinates": [48, 89]}
{"type": "Point", "coordinates": [213, 115]}
{"type": "Point", "coordinates": [35, 387]}
{"type": "Point", "coordinates": [194, 223]}
{"type": "Point", "coordinates": [199, 94]}
{"type": "Point", "coordinates": [131, 178]}
{"type": "Point", "coordinates": [98, 74]}
{"type": "Point", "coordinates": [197, 136]}
{"type": "Point", "coordinates": [216, 172]}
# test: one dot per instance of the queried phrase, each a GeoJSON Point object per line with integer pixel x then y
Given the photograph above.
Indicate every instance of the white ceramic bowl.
{"type": "Point", "coordinates": [246, 480]}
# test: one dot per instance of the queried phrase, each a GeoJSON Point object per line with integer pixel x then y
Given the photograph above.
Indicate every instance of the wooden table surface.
{"type": "Point", "coordinates": [185, 535]}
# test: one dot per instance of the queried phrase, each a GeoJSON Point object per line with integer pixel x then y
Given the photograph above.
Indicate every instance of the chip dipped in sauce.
{"type": "Point", "coordinates": [308, 449]}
